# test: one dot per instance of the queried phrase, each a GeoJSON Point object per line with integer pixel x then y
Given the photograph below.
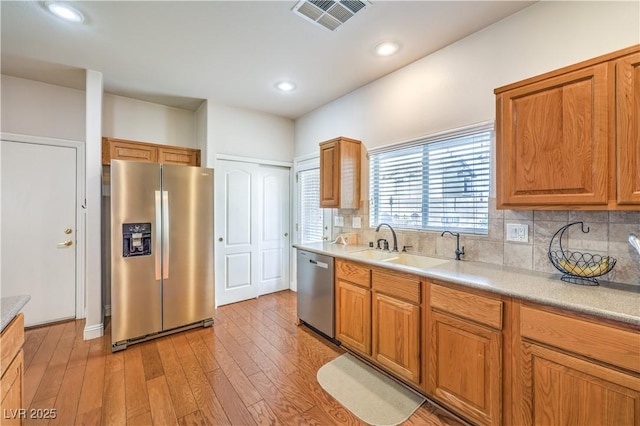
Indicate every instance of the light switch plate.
{"type": "Point", "coordinates": [338, 221]}
{"type": "Point", "coordinates": [517, 232]}
{"type": "Point", "coordinates": [356, 222]}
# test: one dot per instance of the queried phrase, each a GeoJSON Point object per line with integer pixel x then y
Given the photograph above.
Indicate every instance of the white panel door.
{"type": "Point", "coordinates": [236, 224]}
{"type": "Point", "coordinates": [39, 229]}
{"type": "Point", "coordinates": [274, 228]}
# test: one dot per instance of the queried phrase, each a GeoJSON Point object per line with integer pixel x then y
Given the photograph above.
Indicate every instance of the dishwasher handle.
{"type": "Point", "coordinates": [320, 264]}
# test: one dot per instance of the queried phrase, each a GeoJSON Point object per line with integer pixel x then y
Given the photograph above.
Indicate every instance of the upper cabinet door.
{"type": "Point", "coordinates": [330, 174]}
{"type": "Point", "coordinates": [340, 173]}
{"type": "Point", "coordinates": [627, 129]}
{"type": "Point", "coordinates": [180, 156]}
{"type": "Point", "coordinates": [552, 141]}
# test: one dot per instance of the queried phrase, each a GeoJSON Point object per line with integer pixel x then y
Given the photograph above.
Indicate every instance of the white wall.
{"type": "Point", "coordinates": [244, 133]}
{"type": "Point", "coordinates": [454, 86]}
{"type": "Point", "coordinates": [40, 109]}
{"type": "Point", "coordinates": [132, 119]}
{"type": "Point", "coordinates": [94, 325]}
{"type": "Point", "coordinates": [201, 132]}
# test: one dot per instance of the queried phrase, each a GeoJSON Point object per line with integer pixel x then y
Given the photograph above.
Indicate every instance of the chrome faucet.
{"type": "Point", "coordinates": [457, 235]}
{"type": "Point", "coordinates": [393, 233]}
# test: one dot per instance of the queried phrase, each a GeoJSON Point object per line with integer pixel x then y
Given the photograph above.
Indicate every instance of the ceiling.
{"type": "Point", "coordinates": [179, 53]}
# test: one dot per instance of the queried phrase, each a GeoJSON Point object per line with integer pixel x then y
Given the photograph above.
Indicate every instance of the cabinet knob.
{"type": "Point", "coordinates": [286, 234]}
{"type": "Point", "coordinates": [220, 239]}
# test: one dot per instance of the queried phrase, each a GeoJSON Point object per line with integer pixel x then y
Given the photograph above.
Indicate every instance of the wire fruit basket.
{"type": "Point", "coordinates": [576, 267]}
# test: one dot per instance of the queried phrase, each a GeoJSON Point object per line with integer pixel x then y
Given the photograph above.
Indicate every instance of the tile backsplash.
{"type": "Point", "coordinates": [608, 235]}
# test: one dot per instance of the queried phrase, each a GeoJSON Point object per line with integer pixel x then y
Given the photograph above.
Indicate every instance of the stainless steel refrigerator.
{"type": "Point", "coordinates": [162, 274]}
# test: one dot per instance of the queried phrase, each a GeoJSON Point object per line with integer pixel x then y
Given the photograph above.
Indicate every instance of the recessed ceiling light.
{"type": "Point", "coordinates": [64, 11]}
{"type": "Point", "coordinates": [387, 48]}
{"type": "Point", "coordinates": [285, 86]}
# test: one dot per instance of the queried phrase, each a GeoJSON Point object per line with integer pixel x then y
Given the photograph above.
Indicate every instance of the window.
{"type": "Point", "coordinates": [311, 216]}
{"type": "Point", "coordinates": [433, 183]}
{"type": "Point", "coordinates": [313, 222]}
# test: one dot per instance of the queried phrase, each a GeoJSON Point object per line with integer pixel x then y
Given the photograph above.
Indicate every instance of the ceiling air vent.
{"type": "Point", "coordinates": [330, 14]}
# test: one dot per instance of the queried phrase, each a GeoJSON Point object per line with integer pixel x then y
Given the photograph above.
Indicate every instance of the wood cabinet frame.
{"type": "Point", "coordinates": [120, 149]}
{"type": "Point", "coordinates": [603, 172]}
{"type": "Point", "coordinates": [502, 338]}
{"type": "Point", "coordinates": [340, 169]}
{"type": "Point", "coordinates": [12, 371]}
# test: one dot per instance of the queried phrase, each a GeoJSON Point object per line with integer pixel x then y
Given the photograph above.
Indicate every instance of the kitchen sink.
{"type": "Point", "coordinates": [374, 255]}
{"type": "Point", "coordinates": [415, 261]}
{"type": "Point", "coordinates": [404, 259]}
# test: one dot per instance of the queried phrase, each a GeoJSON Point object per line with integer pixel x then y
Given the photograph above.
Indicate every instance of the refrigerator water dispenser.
{"type": "Point", "coordinates": [136, 239]}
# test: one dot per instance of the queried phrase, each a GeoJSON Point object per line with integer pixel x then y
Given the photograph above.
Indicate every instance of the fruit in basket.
{"type": "Point", "coordinates": [592, 270]}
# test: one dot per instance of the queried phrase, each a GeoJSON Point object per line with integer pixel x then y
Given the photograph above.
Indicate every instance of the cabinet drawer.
{"type": "Point", "coordinates": [406, 287]}
{"type": "Point", "coordinates": [11, 341]}
{"type": "Point", "coordinates": [605, 343]}
{"type": "Point", "coordinates": [477, 308]}
{"type": "Point", "coordinates": [353, 272]}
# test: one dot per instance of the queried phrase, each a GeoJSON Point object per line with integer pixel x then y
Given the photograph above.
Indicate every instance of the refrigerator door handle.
{"type": "Point", "coordinates": [165, 234]}
{"type": "Point", "coordinates": [158, 237]}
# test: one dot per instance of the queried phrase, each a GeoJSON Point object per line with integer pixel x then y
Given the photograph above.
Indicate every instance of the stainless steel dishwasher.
{"type": "Point", "coordinates": [316, 291]}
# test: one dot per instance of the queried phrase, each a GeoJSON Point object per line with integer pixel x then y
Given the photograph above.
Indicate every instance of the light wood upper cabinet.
{"type": "Point", "coordinates": [569, 139]}
{"type": "Point", "coordinates": [465, 353]}
{"type": "Point", "coordinates": [340, 166]}
{"type": "Point", "coordinates": [628, 128]}
{"type": "Point", "coordinates": [552, 144]}
{"type": "Point", "coordinates": [119, 149]}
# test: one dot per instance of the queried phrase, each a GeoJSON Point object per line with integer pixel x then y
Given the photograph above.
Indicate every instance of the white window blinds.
{"type": "Point", "coordinates": [311, 215]}
{"type": "Point", "coordinates": [434, 183]}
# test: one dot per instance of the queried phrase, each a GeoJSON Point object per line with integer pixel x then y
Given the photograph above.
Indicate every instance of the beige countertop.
{"type": "Point", "coordinates": [611, 301]}
{"type": "Point", "coordinates": [10, 307]}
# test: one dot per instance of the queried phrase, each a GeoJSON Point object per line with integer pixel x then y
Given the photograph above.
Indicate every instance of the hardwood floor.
{"type": "Point", "coordinates": [253, 367]}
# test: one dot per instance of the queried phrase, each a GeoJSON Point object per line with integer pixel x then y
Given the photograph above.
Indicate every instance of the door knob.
{"type": "Point", "coordinates": [65, 244]}
{"type": "Point", "coordinates": [68, 231]}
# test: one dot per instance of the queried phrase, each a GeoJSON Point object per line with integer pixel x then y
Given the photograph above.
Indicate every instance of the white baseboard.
{"type": "Point", "coordinates": [93, 331]}
{"type": "Point", "coordinates": [107, 310]}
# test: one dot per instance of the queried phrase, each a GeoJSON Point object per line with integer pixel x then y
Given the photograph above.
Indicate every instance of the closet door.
{"type": "Point", "coordinates": [252, 230]}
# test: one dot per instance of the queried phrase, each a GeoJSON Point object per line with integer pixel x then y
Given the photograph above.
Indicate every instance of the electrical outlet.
{"type": "Point", "coordinates": [338, 221]}
{"type": "Point", "coordinates": [356, 222]}
{"type": "Point", "coordinates": [517, 232]}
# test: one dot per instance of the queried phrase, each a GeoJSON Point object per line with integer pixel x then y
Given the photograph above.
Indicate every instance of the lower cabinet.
{"type": "Point", "coordinates": [559, 389]}
{"type": "Point", "coordinates": [577, 371]}
{"type": "Point", "coordinates": [465, 354]}
{"type": "Point", "coordinates": [353, 316]}
{"type": "Point", "coordinates": [12, 372]}
{"type": "Point", "coordinates": [540, 366]}
{"type": "Point", "coordinates": [378, 315]}
{"type": "Point", "coordinates": [396, 324]}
